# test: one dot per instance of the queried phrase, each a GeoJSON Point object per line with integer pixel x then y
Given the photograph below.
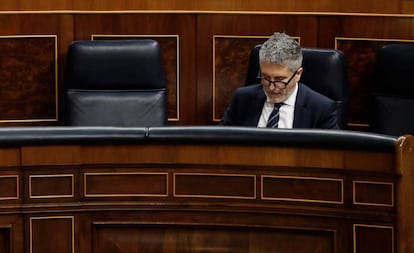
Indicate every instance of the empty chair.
{"type": "Point", "coordinates": [324, 70]}
{"type": "Point", "coordinates": [115, 83]}
{"type": "Point", "coordinates": [393, 97]}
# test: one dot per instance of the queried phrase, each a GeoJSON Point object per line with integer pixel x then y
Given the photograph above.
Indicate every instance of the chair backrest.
{"type": "Point", "coordinates": [324, 70]}
{"type": "Point", "coordinates": [393, 92]}
{"type": "Point", "coordinates": [115, 83]}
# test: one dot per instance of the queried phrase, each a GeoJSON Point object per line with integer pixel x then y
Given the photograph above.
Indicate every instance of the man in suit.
{"type": "Point", "coordinates": [280, 96]}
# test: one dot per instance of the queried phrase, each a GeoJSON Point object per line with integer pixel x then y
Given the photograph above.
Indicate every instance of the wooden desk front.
{"type": "Point", "coordinates": [183, 197]}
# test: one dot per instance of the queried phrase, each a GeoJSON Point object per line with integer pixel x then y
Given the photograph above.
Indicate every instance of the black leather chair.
{"type": "Point", "coordinates": [115, 83]}
{"type": "Point", "coordinates": [393, 98]}
{"type": "Point", "coordinates": [324, 70]}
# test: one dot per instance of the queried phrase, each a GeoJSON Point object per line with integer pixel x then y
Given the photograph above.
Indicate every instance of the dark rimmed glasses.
{"type": "Point", "coordinates": [278, 83]}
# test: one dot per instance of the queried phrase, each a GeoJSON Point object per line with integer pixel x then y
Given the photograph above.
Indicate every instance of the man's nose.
{"type": "Point", "coordinates": [272, 86]}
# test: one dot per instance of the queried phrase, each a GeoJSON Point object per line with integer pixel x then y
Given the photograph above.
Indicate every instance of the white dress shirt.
{"type": "Point", "coordinates": [286, 111]}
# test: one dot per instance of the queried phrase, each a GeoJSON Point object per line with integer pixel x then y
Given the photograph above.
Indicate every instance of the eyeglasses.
{"type": "Point", "coordinates": [279, 84]}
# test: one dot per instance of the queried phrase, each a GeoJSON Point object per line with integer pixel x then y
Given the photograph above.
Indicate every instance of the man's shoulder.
{"type": "Point", "coordinates": [314, 95]}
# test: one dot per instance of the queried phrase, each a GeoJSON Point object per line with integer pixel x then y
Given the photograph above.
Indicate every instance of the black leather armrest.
{"type": "Point", "coordinates": [17, 136]}
{"type": "Point", "coordinates": [317, 138]}
{"type": "Point", "coordinates": [216, 135]}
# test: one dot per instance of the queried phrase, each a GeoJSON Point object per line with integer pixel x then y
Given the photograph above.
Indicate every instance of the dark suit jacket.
{"type": "Point", "coordinates": [312, 109]}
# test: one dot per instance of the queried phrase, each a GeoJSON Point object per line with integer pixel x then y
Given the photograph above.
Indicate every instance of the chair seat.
{"type": "Point", "coordinates": [116, 108]}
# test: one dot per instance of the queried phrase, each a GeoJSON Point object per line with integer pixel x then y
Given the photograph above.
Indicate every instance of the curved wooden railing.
{"type": "Point", "coordinates": [204, 189]}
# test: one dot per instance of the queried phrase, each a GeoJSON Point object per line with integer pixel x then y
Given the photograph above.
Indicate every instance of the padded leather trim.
{"type": "Point", "coordinates": [214, 135]}
{"type": "Point", "coordinates": [317, 138]}
{"type": "Point", "coordinates": [117, 64]}
{"type": "Point", "coordinates": [18, 136]}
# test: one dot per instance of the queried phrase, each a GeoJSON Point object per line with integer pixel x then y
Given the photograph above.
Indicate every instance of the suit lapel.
{"type": "Point", "coordinates": [301, 115]}
{"type": "Point", "coordinates": [255, 107]}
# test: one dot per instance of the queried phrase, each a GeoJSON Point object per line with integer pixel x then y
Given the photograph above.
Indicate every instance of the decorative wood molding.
{"type": "Point", "coordinates": [32, 220]}
{"type": "Point", "coordinates": [311, 182]}
{"type": "Point", "coordinates": [214, 185]}
{"type": "Point", "coordinates": [49, 182]}
{"type": "Point", "coordinates": [159, 178]}
{"type": "Point", "coordinates": [21, 67]}
{"type": "Point", "coordinates": [372, 184]}
{"type": "Point", "coordinates": [376, 241]}
{"type": "Point", "coordinates": [17, 185]}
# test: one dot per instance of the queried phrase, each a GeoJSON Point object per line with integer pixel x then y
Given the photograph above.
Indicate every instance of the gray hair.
{"type": "Point", "coordinates": [281, 49]}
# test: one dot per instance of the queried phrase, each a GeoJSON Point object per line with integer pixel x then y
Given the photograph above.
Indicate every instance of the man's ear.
{"type": "Point", "coordinates": [298, 74]}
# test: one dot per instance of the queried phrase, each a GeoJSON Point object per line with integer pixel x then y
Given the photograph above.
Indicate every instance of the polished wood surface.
{"type": "Point", "coordinates": [369, 6]}
{"type": "Point", "coordinates": [202, 197]}
{"type": "Point", "coordinates": [405, 196]}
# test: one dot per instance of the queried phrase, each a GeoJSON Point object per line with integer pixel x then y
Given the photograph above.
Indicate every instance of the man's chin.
{"type": "Point", "coordinates": [276, 98]}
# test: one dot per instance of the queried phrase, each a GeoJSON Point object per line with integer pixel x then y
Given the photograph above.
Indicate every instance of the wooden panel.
{"type": "Point", "coordinates": [9, 157]}
{"type": "Point", "coordinates": [372, 238]}
{"type": "Point", "coordinates": [203, 73]}
{"type": "Point", "coordinates": [44, 237]}
{"type": "Point", "coordinates": [214, 185]}
{"type": "Point", "coordinates": [9, 187]}
{"type": "Point", "coordinates": [5, 240]}
{"type": "Point", "coordinates": [51, 186]}
{"type": "Point", "coordinates": [12, 239]}
{"type": "Point", "coordinates": [32, 155]}
{"type": "Point", "coordinates": [31, 26]}
{"type": "Point", "coordinates": [225, 155]}
{"type": "Point", "coordinates": [303, 189]}
{"type": "Point", "coordinates": [405, 198]}
{"type": "Point", "coordinates": [370, 6]}
{"type": "Point", "coordinates": [28, 81]}
{"type": "Point", "coordinates": [231, 198]}
{"type": "Point", "coordinates": [378, 27]}
{"type": "Point", "coordinates": [373, 193]}
{"type": "Point", "coordinates": [179, 238]}
{"type": "Point", "coordinates": [370, 161]}
{"type": "Point", "coordinates": [123, 184]}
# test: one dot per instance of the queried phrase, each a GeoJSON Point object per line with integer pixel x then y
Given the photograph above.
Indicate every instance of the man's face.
{"type": "Point", "coordinates": [274, 78]}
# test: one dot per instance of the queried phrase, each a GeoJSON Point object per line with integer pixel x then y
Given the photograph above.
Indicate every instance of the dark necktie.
{"type": "Point", "coordinates": [273, 120]}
